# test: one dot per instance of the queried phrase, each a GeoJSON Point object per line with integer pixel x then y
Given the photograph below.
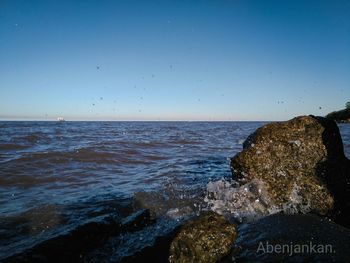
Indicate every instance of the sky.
{"type": "Point", "coordinates": [173, 60]}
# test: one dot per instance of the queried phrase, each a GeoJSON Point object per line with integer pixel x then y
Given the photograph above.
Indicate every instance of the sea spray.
{"type": "Point", "coordinates": [249, 201]}
{"type": "Point", "coordinates": [296, 202]}
{"type": "Point", "coordinates": [241, 202]}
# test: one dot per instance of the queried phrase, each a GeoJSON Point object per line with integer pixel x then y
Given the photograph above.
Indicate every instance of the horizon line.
{"type": "Point", "coordinates": [132, 120]}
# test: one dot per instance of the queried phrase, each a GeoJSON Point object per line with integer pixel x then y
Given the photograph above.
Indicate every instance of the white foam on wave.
{"type": "Point", "coordinates": [296, 202]}
{"type": "Point", "coordinates": [249, 201]}
{"type": "Point", "coordinates": [179, 213]}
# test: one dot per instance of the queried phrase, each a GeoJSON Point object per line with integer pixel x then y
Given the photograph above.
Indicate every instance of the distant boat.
{"type": "Point", "coordinates": [60, 119]}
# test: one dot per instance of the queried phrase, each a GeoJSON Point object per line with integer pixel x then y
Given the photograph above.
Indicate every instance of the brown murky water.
{"type": "Point", "coordinates": [57, 176]}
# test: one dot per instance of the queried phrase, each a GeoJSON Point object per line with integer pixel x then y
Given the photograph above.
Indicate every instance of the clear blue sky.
{"type": "Point", "coordinates": [173, 60]}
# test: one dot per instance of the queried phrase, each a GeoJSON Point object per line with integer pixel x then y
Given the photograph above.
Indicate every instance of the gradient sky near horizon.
{"type": "Point", "coordinates": [173, 60]}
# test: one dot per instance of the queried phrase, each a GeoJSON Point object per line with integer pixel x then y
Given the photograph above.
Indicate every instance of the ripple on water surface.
{"type": "Point", "coordinates": [56, 176]}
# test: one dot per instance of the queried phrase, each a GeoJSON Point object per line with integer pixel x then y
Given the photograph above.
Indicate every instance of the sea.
{"type": "Point", "coordinates": [57, 176]}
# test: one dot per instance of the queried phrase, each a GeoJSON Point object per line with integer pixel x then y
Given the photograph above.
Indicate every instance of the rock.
{"type": "Point", "coordinates": [301, 162]}
{"type": "Point", "coordinates": [137, 220]}
{"type": "Point", "coordinates": [70, 247]}
{"type": "Point", "coordinates": [74, 245]}
{"type": "Point", "coordinates": [291, 238]}
{"type": "Point", "coordinates": [207, 238]}
{"type": "Point", "coordinates": [152, 201]}
{"type": "Point", "coordinates": [150, 244]}
{"type": "Point", "coordinates": [340, 116]}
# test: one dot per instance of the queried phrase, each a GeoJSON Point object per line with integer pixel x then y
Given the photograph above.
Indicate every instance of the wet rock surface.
{"type": "Point", "coordinates": [342, 116]}
{"type": "Point", "coordinates": [73, 246]}
{"type": "Point", "coordinates": [301, 160]}
{"type": "Point", "coordinates": [207, 238]}
{"type": "Point", "coordinates": [291, 238]}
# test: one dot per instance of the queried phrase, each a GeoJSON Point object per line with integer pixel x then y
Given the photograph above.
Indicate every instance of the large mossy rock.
{"type": "Point", "coordinates": [207, 238]}
{"type": "Point", "coordinates": [302, 161]}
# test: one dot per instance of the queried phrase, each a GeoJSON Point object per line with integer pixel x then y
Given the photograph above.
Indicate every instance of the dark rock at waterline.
{"type": "Point", "coordinates": [73, 246]}
{"type": "Point", "coordinates": [153, 201]}
{"type": "Point", "coordinates": [342, 116]}
{"type": "Point", "coordinates": [301, 162]}
{"type": "Point", "coordinates": [156, 250]}
{"type": "Point", "coordinates": [136, 221]}
{"type": "Point", "coordinates": [291, 238]}
{"type": "Point", "coordinates": [207, 238]}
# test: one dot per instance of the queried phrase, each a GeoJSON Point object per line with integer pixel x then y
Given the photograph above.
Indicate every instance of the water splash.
{"type": "Point", "coordinates": [296, 202]}
{"type": "Point", "coordinates": [250, 201]}
{"type": "Point", "coordinates": [243, 203]}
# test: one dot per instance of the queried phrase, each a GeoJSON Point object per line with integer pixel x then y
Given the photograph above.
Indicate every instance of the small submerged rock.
{"type": "Point", "coordinates": [207, 238]}
{"type": "Point", "coordinates": [302, 164]}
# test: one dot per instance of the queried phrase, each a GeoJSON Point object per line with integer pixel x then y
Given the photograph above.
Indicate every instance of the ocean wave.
{"type": "Point", "coordinates": [12, 146]}
{"type": "Point", "coordinates": [35, 137]}
{"type": "Point", "coordinates": [184, 141]}
{"type": "Point", "coordinates": [122, 156]}
{"type": "Point", "coordinates": [143, 144]}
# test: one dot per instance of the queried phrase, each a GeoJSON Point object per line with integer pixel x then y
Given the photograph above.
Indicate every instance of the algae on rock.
{"type": "Point", "coordinates": [207, 238]}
